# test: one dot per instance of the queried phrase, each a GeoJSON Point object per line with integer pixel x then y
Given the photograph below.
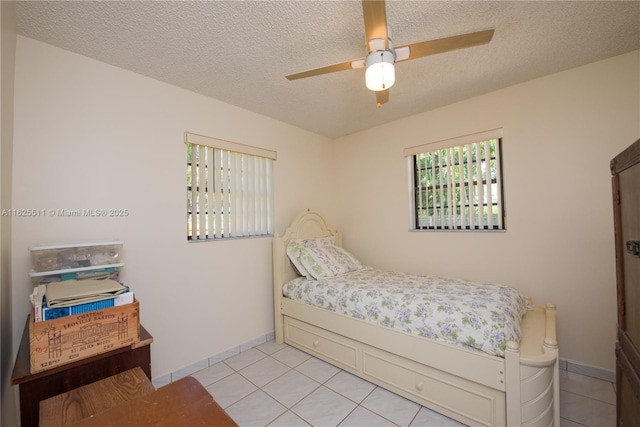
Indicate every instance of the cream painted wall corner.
{"type": "Point", "coordinates": [90, 135]}
{"type": "Point", "coordinates": [560, 132]}
{"type": "Point", "coordinates": [8, 410]}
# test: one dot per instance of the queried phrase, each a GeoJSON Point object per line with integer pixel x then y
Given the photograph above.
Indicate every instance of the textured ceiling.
{"type": "Point", "coordinates": [239, 51]}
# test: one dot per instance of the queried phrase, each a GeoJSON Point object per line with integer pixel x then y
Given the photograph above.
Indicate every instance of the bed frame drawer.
{"type": "Point", "coordinates": [469, 386]}
{"type": "Point", "coordinates": [326, 345]}
{"type": "Point", "coordinates": [435, 389]}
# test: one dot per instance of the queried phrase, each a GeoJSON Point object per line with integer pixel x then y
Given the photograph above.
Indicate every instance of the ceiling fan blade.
{"type": "Point", "coordinates": [375, 21]}
{"type": "Point", "coordinates": [382, 96]}
{"type": "Point", "coordinates": [356, 63]}
{"type": "Point", "coordinates": [432, 47]}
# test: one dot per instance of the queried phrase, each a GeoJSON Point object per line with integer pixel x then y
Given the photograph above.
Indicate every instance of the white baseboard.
{"type": "Point", "coordinates": [590, 371]}
{"type": "Point", "coordinates": [202, 364]}
{"type": "Point", "coordinates": [566, 365]}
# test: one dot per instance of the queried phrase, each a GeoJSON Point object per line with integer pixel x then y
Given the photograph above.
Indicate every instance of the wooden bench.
{"type": "Point", "coordinates": [129, 400]}
{"type": "Point", "coordinates": [77, 404]}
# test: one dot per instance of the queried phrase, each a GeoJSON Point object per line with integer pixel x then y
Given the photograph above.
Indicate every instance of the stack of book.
{"type": "Point", "coordinates": [76, 296]}
{"type": "Point", "coordinates": [76, 277]}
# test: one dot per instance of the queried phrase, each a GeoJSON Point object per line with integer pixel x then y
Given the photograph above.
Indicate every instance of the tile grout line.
{"type": "Point", "coordinates": [588, 397]}
{"type": "Point", "coordinates": [574, 422]}
{"type": "Point", "coordinates": [323, 384]}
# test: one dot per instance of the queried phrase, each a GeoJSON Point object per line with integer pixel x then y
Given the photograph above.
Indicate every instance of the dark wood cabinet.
{"type": "Point", "coordinates": [625, 169]}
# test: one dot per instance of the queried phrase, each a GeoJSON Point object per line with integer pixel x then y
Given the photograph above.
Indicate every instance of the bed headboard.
{"type": "Point", "coordinates": [308, 224]}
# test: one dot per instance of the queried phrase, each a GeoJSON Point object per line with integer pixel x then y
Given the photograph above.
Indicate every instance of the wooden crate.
{"type": "Point", "coordinates": [64, 340]}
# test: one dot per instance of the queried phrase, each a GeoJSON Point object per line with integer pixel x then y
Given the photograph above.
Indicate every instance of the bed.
{"type": "Point", "coordinates": [517, 384]}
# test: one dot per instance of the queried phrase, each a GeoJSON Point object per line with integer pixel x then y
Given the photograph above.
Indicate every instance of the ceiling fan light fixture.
{"type": "Point", "coordinates": [380, 74]}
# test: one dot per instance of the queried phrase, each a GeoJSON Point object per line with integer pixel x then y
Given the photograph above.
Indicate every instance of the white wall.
{"type": "Point", "coordinates": [560, 132]}
{"type": "Point", "coordinates": [89, 135]}
{"type": "Point", "coordinates": [7, 61]}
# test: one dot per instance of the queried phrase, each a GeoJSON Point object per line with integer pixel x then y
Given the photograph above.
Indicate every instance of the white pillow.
{"type": "Point", "coordinates": [294, 250]}
{"type": "Point", "coordinates": [327, 261]}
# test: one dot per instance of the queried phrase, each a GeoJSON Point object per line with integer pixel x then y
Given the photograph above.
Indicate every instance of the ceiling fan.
{"type": "Point", "coordinates": [380, 73]}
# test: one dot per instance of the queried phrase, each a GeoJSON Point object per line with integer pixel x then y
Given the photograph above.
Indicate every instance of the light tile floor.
{"type": "Point", "coordinates": [278, 385]}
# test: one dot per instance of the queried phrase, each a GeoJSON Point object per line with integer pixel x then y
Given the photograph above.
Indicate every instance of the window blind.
{"type": "Point", "coordinates": [457, 183]}
{"type": "Point", "coordinates": [229, 189]}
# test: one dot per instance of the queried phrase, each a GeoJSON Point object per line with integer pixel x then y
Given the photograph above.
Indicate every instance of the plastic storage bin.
{"type": "Point", "coordinates": [65, 258]}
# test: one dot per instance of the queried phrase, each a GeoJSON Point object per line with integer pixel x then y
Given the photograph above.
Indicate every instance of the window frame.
{"type": "Point", "coordinates": [240, 180]}
{"type": "Point", "coordinates": [459, 169]}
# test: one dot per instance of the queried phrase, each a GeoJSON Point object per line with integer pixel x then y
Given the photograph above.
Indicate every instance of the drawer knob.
{"type": "Point", "coordinates": [419, 386]}
{"type": "Point", "coordinates": [315, 343]}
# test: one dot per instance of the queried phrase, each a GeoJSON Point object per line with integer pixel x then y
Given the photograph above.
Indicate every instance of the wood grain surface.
{"type": "Point", "coordinates": [92, 399]}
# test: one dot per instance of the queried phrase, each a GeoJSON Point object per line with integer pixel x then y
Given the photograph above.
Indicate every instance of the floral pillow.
{"type": "Point", "coordinates": [294, 251]}
{"type": "Point", "coordinates": [327, 261]}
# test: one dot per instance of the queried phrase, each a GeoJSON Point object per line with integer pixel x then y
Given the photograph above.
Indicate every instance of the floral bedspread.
{"type": "Point", "coordinates": [473, 315]}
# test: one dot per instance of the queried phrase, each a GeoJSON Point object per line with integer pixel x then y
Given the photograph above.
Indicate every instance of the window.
{"type": "Point", "coordinates": [229, 189]}
{"type": "Point", "coordinates": [457, 183]}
